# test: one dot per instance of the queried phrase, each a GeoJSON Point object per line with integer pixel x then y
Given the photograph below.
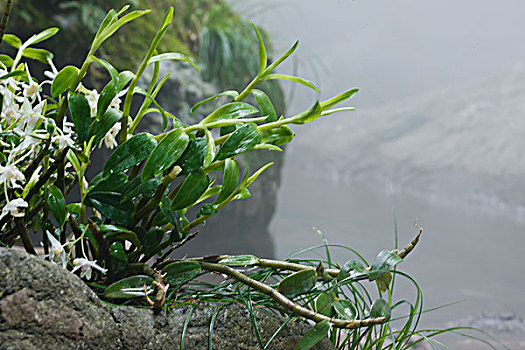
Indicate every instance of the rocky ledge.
{"type": "Point", "coordinates": [45, 307]}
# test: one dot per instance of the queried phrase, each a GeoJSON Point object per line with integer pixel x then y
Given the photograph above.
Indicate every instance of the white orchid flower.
{"type": "Point", "coordinates": [86, 267]}
{"type": "Point", "coordinates": [57, 253]}
{"type": "Point", "coordinates": [9, 175]}
{"type": "Point", "coordinates": [13, 207]}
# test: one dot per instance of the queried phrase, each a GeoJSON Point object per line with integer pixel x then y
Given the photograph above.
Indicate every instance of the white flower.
{"type": "Point", "coordinates": [13, 208]}
{"type": "Point", "coordinates": [92, 97]}
{"type": "Point", "coordinates": [110, 138]}
{"type": "Point", "coordinates": [9, 175]}
{"type": "Point", "coordinates": [63, 141]}
{"type": "Point", "coordinates": [57, 253]}
{"type": "Point", "coordinates": [86, 266]}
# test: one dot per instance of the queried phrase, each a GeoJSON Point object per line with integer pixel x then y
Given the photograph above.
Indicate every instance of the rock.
{"type": "Point", "coordinates": [43, 306]}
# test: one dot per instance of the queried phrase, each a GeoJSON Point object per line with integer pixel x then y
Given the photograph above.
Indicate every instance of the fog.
{"type": "Point", "coordinates": [437, 137]}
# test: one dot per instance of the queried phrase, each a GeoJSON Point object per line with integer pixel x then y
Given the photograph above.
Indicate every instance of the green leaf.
{"type": "Point", "coordinates": [346, 309]}
{"type": "Point", "coordinates": [207, 209]}
{"type": "Point", "coordinates": [278, 61]}
{"type": "Point", "coordinates": [150, 241]}
{"type": "Point", "coordinates": [338, 99]}
{"type": "Point", "coordinates": [173, 56]}
{"type": "Point", "coordinates": [119, 260]}
{"type": "Point", "coordinates": [308, 116]}
{"type": "Point", "coordinates": [100, 127]}
{"type": "Point", "coordinates": [124, 78]}
{"type": "Point", "coordinates": [80, 115]}
{"type": "Point", "coordinates": [63, 80]}
{"type": "Point", "coordinates": [57, 203]}
{"type": "Point", "coordinates": [383, 281]}
{"type": "Point", "coordinates": [255, 175]}
{"type": "Point", "coordinates": [380, 308]}
{"type": "Point", "coordinates": [114, 183]}
{"type": "Point", "coordinates": [16, 73]}
{"type": "Point", "coordinates": [210, 148]}
{"type": "Point", "coordinates": [385, 260]}
{"type": "Point", "coordinates": [265, 105]}
{"type": "Point", "coordinates": [144, 189]}
{"type": "Point", "coordinates": [195, 184]}
{"type": "Point", "coordinates": [108, 204]}
{"type": "Point", "coordinates": [229, 93]}
{"type": "Point", "coordinates": [12, 40]}
{"type": "Point", "coordinates": [38, 54]}
{"type": "Point", "coordinates": [130, 287]}
{"type": "Point", "coordinates": [262, 52]}
{"type": "Point", "coordinates": [107, 95]}
{"type": "Point", "coordinates": [278, 136]}
{"type": "Point", "coordinates": [313, 336]}
{"type": "Point", "coordinates": [230, 180]}
{"type": "Point", "coordinates": [350, 268]}
{"type": "Point", "coordinates": [43, 35]}
{"type": "Point", "coordinates": [302, 81]}
{"type": "Point", "coordinates": [119, 233]}
{"type": "Point", "coordinates": [113, 27]}
{"type": "Point", "coordinates": [245, 193]}
{"type": "Point", "coordinates": [180, 272]}
{"type": "Point", "coordinates": [297, 283]}
{"type": "Point", "coordinates": [240, 260]}
{"type": "Point", "coordinates": [130, 153]}
{"type": "Point", "coordinates": [193, 157]}
{"type": "Point", "coordinates": [232, 110]}
{"type": "Point", "coordinates": [241, 140]}
{"type": "Point", "coordinates": [165, 154]}
{"type": "Point", "coordinates": [324, 303]}
{"type": "Point", "coordinates": [6, 60]}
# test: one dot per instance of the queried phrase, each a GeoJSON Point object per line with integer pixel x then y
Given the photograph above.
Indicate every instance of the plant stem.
{"type": "Point", "coordinates": [5, 18]}
{"type": "Point", "coordinates": [287, 303]}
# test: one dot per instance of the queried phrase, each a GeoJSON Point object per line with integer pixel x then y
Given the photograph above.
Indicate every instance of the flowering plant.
{"type": "Point", "coordinates": [154, 190]}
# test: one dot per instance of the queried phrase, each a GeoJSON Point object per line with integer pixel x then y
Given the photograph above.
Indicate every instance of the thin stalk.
{"type": "Point", "coordinates": [5, 18]}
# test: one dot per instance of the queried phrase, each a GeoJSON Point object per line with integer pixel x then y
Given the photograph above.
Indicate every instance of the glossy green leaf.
{"type": "Point", "coordinates": [144, 189]}
{"type": "Point", "coordinates": [130, 153]}
{"type": "Point", "coordinates": [230, 179]}
{"type": "Point", "coordinates": [16, 73]}
{"type": "Point", "coordinates": [308, 116]}
{"type": "Point", "coordinates": [180, 272]}
{"type": "Point", "coordinates": [6, 60]}
{"type": "Point", "coordinates": [119, 260]}
{"type": "Point", "coordinates": [109, 205]}
{"type": "Point", "coordinates": [229, 93]}
{"type": "Point", "coordinates": [41, 55]}
{"type": "Point", "coordinates": [262, 52]}
{"type": "Point", "coordinates": [130, 287]}
{"type": "Point", "coordinates": [278, 136]}
{"type": "Point", "coordinates": [350, 268]}
{"type": "Point", "coordinates": [43, 35]}
{"type": "Point", "coordinates": [12, 40]}
{"type": "Point", "coordinates": [207, 209]}
{"type": "Point", "coordinates": [210, 192]}
{"type": "Point", "coordinates": [114, 183]}
{"type": "Point", "coordinates": [210, 148]}
{"type": "Point", "coordinates": [107, 95]}
{"type": "Point", "coordinates": [57, 203]}
{"type": "Point", "coordinates": [165, 154]}
{"type": "Point", "coordinates": [302, 81]}
{"type": "Point", "coordinates": [245, 193]}
{"type": "Point", "coordinates": [195, 184]}
{"type": "Point", "coordinates": [100, 127]}
{"type": "Point", "coordinates": [163, 113]}
{"type": "Point", "coordinates": [113, 27]}
{"type": "Point", "coordinates": [338, 99]}
{"type": "Point", "coordinates": [239, 260]}
{"type": "Point", "coordinates": [193, 157]}
{"type": "Point", "coordinates": [265, 105]}
{"type": "Point", "coordinates": [346, 309]}
{"type": "Point", "coordinates": [150, 241]}
{"type": "Point", "coordinates": [80, 115]}
{"type": "Point", "coordinates": [173, 56]}
{"type": "Point", "coordinates": [297, 283]}
{"type": "Point", "coordinates": [380, 308]}
{"type": "Point", "coordinates": [232, 110]}
{"type": "Point", "coordinates": [241, 140]}
{"type": "Point", "coordinates": [385, 260]}
{"type": "Point", "coordinates": [124, 78]}
{"type": "Point", "coordinates": [63, 80]}
{"type": "Point", "coordinates": [324, 303]}
{"type": "Point", "coordinates": [119, 233]}
{"type": "Point", "coordinates": [313, 336]}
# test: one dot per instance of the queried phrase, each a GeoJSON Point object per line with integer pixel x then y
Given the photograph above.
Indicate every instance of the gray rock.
{"type": "Point", "coordinates": [43, 306]}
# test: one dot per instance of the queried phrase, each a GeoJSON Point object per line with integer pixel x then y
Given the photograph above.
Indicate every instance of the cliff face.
{"type": "Point", "coordinates": [43, 306]}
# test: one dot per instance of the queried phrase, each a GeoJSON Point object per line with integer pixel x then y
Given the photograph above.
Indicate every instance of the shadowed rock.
{"type": "Point", "coordinates": [45, 307]}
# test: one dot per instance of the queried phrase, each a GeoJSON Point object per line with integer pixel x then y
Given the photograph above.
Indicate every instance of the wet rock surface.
{"type": "Point", "coordinates": [43, 306]}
